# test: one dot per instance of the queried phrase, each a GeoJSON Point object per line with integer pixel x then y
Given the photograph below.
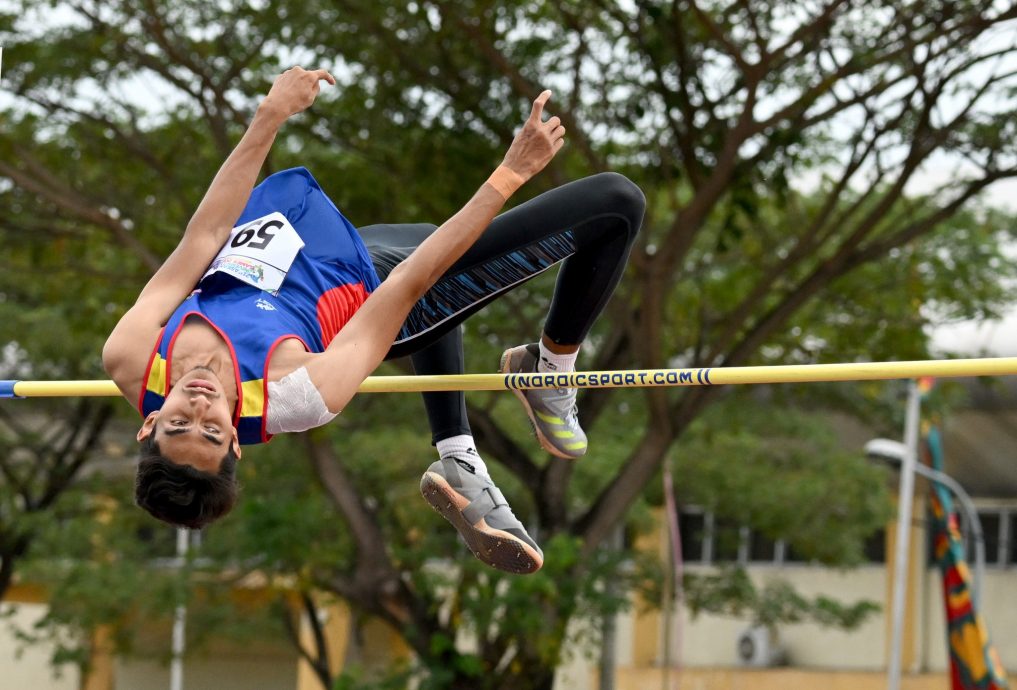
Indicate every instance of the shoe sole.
{"type": "Point", "coordinates": [493, 547]}
{"type": "Point", "coordinates": [545, 443]}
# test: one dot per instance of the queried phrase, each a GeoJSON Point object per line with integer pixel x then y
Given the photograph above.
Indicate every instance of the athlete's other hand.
{"type": "Point", "coordinates": [537, 141]}
{"type": "Point", "coordinates": [295, 90]}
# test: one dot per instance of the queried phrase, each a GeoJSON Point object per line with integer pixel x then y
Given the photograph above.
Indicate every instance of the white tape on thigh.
{"type": "Point", "coordinates": [294, 404]}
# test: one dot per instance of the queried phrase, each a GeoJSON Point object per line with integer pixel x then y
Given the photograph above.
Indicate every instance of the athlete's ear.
{"type": "Point", "coordinates": [148, 426]}
{"type": "Point", "coordinates": [235, 443]}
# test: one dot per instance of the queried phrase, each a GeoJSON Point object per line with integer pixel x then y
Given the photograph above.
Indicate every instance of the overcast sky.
{"type": "Point", "coordinates": [997, 338]}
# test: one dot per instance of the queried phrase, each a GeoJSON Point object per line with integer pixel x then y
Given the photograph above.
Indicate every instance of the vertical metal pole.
{"type": "Point", "coordinates": [179, 619]}
{"type": "Point", "coordinates": [609, 633]}
{"type": "Point", "coordinates": [609, 638]}
{"type": "Point", "coordinates": [666, 612]}
{"type": "Point", "coordinates": [905, 502]}
{"type": "Point", "coordinates": [674, 599]}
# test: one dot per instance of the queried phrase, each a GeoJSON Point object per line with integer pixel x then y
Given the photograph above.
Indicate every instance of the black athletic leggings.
{"type": "Point", "coordinates": [589, 224]}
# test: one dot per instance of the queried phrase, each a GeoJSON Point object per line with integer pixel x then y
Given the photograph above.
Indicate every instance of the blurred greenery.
{"type": "Point", "coordinates": [730, 592]}
{"type": "Point", "coordinates": [779, 150]}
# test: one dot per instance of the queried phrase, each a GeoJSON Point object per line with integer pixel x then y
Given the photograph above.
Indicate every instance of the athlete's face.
{"type": "Point", "coordinates": [195, 426]}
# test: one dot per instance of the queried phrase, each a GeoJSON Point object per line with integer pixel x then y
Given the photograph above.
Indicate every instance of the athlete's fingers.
{"type": "Point", "coordinates": [553, 122]}
{"type": "Point", "coordinates": [558, 132]}
{"type": "Point", "coordinates": [557, 145]}
{"type": "Point", "coordinates": [538, 106]}
{"type": "Point", "coordinates": [323, 74]}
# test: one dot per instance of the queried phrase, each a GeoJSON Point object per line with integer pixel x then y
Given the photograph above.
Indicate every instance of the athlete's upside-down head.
{"type": "Point", "coordinates": [189, 452]}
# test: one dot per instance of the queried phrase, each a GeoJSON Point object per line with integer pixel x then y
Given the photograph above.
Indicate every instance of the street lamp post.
{"type": "Point", "coordinates": [905, 502]}
{"type": "Point", "coordinates": [179, 617]}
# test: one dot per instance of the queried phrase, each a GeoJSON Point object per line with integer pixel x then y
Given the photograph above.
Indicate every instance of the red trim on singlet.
{"type": "Point", "coordinates": [337, 306]}
{"type": "Point", "coordinates": [169, 352]}
{"type": "Point", "coordinates": [233, 356]}
{"type": "Point", "coordinates": [148, 372]}
{"type": "Point", "coordinates": [236, 364]}
{"type": "Point", "coordinates": [265, 436]}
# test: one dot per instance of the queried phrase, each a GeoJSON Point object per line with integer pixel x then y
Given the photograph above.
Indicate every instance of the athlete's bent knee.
{"type": "Point", "coordinates": [623, 196]}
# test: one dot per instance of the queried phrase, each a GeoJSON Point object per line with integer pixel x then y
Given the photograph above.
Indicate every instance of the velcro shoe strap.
{"type": "Point", "coordinates": [490, 498]}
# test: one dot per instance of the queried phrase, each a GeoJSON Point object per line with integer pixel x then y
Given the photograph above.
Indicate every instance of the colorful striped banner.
{"type": "Point", "coordinates": [974, 661]}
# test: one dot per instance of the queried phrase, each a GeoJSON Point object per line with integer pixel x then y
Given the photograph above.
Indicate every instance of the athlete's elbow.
{"type": "Point", "coordinates": [409, 280]}
{"type": "Point", "coordinates": [111, 357]}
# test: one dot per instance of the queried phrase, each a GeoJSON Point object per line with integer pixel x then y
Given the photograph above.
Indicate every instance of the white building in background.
{"type": "Point", "coordinates": [28, 667]}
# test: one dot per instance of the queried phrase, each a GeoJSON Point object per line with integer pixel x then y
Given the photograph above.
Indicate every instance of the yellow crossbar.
{"type": "Point", "coordinates": [636, 378]}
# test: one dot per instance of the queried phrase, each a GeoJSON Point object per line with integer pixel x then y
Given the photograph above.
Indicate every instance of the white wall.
{"type": "Point", "coordinates": [579, 668]}
{"type": "Point", "coordinates": [711, 640]}
{"type": "Point", "coordinates": [233, 672]}
{"type": "Point", "coordinates": [31, 668]}
{"type": "Point", "coordinates": [260, 670]}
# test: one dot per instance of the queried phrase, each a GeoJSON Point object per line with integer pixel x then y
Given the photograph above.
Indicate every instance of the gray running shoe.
{"type": "Point", "coordinates": [552, 411]}
{"type": "Point", "coordinates": [481, 515]}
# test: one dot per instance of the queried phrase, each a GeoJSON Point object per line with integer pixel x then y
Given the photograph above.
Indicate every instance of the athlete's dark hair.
{"type": "Point", "coordinates": [183, 495]}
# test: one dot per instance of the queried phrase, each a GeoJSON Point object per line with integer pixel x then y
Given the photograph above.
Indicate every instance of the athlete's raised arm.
{"type": "Point", "coordinates": [129, 344]}
{"type": "Point", "coordinates": [363, 342]}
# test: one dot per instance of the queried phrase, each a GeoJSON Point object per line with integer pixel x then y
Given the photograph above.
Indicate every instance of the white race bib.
{"type": "Point", "coordinates": [259, 253]}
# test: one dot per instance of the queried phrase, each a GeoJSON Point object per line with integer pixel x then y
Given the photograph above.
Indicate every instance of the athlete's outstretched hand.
{"type": "Point", "coordinates": [537, 142]}
{"type": "Point", "coordinates": [295, 90]}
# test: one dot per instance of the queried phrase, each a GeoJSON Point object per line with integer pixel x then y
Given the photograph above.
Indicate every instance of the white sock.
{"type": "Point", "coordinates": [550, 361]}
{"type": "Point", "coordinates": [464, 450]}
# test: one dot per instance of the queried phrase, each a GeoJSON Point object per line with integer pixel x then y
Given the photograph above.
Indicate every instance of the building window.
{"type": "Point", "coordinates": [875, 547]}
{"type": "Point", "coordinates": [991, 522]}
{"type": "Point", "coordinates": [762, 549]}
{"type": "Point", "coordinates": [708, 540]}
{"type": "Point", "coordinates": [692, 530]}
{"type": "Point", "coordinates": [727, 540]}
{"type": "Point", "coordinates": [1011, 542]}
{"type": "Point", "coordinates": [791, 555]}
{"type": "Point", "coordinates": [999, 536]}
{"type": "Point", "coordinates": [159, 540]}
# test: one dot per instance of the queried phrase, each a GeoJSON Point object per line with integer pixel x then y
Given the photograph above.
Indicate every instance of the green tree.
{"type": "Point", "coordinates": [721, 111]}
{"type": "Point", "coordinates": [42, 455]}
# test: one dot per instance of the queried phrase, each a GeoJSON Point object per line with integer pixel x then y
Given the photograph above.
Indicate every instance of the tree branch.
{"type": "Point", "coordinates": [321, 670]}
{"type": "Point", "coordinates": [732, 51]}
{"type": "Point", "coordinates": [521, 84]}
{"type": "Point", "coordinates": [613, 502]}
{"type": "Point", "coordinates": [37, 179]}
{"type": "Point", "coordinates": [58, 481]}
{"type": "Point", "coordinates": [341, 491]}
{"type": "Point", "coordinates": [375, 583]}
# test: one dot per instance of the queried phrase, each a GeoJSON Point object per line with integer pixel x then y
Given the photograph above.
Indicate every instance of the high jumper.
{"type": "Point", "coordinates": [273, 309]}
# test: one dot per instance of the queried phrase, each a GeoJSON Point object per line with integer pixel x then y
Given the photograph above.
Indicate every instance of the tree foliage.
{"type": "Point", "coordinates": [780, 145]}
{"type": "Point", "coordinates": [40, 459]}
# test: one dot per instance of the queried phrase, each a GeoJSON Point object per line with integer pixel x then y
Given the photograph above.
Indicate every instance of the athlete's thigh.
{"type": "Point", "coordinates": [562, 209]}
{"type": "Point", "coordinates": [395, 234]}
